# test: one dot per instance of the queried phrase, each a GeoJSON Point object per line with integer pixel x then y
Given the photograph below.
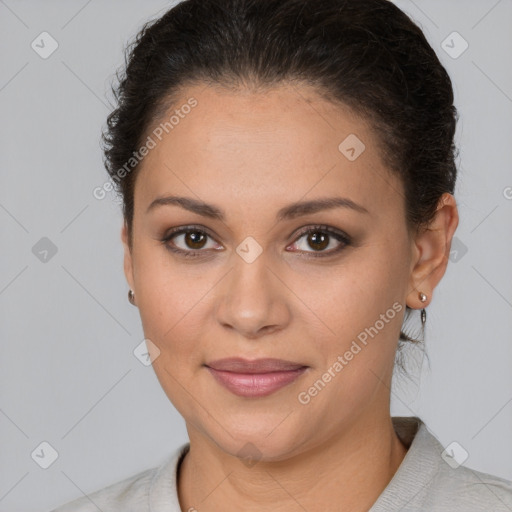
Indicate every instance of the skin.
{"type": "Point", "coordinates": [250, 154]}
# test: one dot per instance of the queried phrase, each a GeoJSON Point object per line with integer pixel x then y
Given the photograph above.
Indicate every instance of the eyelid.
{"type": "Point", "coordinates": [189, 227]}
{"type": "Point", "coordinates": [322, 227]}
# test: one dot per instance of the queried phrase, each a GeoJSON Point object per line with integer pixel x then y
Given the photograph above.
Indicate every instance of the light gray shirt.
{"type": "Point", "coordinates": [426, 480]}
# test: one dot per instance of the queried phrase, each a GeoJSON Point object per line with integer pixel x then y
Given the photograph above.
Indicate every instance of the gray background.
{"type": "Point", "coordinates": [68, 373]}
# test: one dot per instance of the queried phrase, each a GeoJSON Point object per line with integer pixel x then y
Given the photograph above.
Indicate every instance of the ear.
{"type": "Point", "coordinates": [128, 261]}
{"type": "Point", "coordinates": [432, 251]}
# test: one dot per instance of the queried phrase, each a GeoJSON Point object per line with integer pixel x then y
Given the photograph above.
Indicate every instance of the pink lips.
{"type": "Point", "coordinates": [257, 378]}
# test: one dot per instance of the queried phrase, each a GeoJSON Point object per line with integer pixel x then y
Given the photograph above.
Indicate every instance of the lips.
{"type": "Point", "coordinates": [256, 378]}
{"type": "Point", "coordinates": [240, 365]}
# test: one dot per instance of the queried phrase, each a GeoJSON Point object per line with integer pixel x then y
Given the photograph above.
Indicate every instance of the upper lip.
{"type": "Point", "coordinates": [240, 365]}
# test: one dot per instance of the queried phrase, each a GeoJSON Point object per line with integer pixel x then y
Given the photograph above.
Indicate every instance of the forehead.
{"type": "Point", "coordinates": [286, 142]}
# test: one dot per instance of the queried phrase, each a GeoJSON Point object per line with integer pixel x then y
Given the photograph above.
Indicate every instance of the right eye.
{"type": "Point", "coordinates": [193, 240]}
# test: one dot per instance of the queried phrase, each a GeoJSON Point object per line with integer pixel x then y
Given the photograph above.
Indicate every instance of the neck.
{"type": "Point", "coordinates": [350, 469]}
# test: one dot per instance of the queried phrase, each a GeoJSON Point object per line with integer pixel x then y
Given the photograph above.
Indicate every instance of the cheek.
{"type": "Point", "coordinates": [356, 310]}
{"type": "Point", "coordinates": [170, 302]}
{"type": "Point", "coordinates": [171, 314]}
{"type": "Point", "coordinates": [348, 296]}
{"type": "Point", "coordinates": [166, 289]}
{"type": "Point", "coordinates": [172, 318]}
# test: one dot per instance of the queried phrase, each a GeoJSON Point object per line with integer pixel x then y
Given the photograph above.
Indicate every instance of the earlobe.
{"type": "Point", "coordinates": [128, 262]}
{"type": "Point", "coordinates": [432, 252]}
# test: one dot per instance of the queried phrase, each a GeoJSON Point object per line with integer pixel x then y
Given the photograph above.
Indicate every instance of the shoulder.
{"type": "Point", "coordinates": [128, 495]}
{"type": "Point", "coordinates": [145, 491]}
{"type": "Point", "coordinates": [463, 488]}
{"type": "Point", "coordinates": [429, 478]}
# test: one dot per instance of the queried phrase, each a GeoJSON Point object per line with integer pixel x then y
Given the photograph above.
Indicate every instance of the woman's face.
{"type": "Point", "coordinates": [256, 286]}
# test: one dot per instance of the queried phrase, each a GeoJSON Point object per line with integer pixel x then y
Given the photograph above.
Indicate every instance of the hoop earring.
{"type": "Point", "coordinates": [131, 297]}
{"type": "Point", "coordinates": [423, 298]}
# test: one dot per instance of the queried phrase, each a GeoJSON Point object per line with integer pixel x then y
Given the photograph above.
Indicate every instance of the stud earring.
{"type": "Point", "coordinates": [131, 297]}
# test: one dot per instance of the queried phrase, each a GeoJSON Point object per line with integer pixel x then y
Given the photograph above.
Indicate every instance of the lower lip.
{"type": "Point", "coordinates": [255, 384]}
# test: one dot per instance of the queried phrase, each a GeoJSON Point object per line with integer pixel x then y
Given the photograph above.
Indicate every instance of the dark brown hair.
{"type": "Point", "coordinates": [365, 54]}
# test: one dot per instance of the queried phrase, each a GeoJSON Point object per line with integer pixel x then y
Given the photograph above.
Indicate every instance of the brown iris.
{"type": "Point", "coordinates": [195, 239]}
{"type": "Point", "coordinates": [318, 240]}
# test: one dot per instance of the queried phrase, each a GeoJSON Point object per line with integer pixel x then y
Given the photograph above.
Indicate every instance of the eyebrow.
{"type": "Point", "coordinates": [291, 211]}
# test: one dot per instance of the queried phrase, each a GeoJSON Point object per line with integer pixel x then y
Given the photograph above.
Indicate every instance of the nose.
{"type": "Point", "coordinates": [253, 299]}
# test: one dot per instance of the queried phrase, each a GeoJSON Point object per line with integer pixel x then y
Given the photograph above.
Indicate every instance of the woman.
{"type": "Point", "coordinates": [287, 174]}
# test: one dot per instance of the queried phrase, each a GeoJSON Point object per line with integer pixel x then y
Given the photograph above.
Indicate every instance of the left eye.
{"type": "Point", "coordinates": [320, 237]}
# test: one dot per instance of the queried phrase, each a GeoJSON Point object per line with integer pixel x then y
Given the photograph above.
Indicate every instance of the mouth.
{"type": "Point", "coordinates": [241, 365]}
{"type": "Point", "coordinates": [257, 378]}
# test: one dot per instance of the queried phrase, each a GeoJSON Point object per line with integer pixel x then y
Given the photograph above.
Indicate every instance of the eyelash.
{"type": "Point", "coordinates": [339, 236]}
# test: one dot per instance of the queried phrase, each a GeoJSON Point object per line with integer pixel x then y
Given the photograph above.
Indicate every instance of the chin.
{"type": "Point", "coordinates": [261, 442]}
